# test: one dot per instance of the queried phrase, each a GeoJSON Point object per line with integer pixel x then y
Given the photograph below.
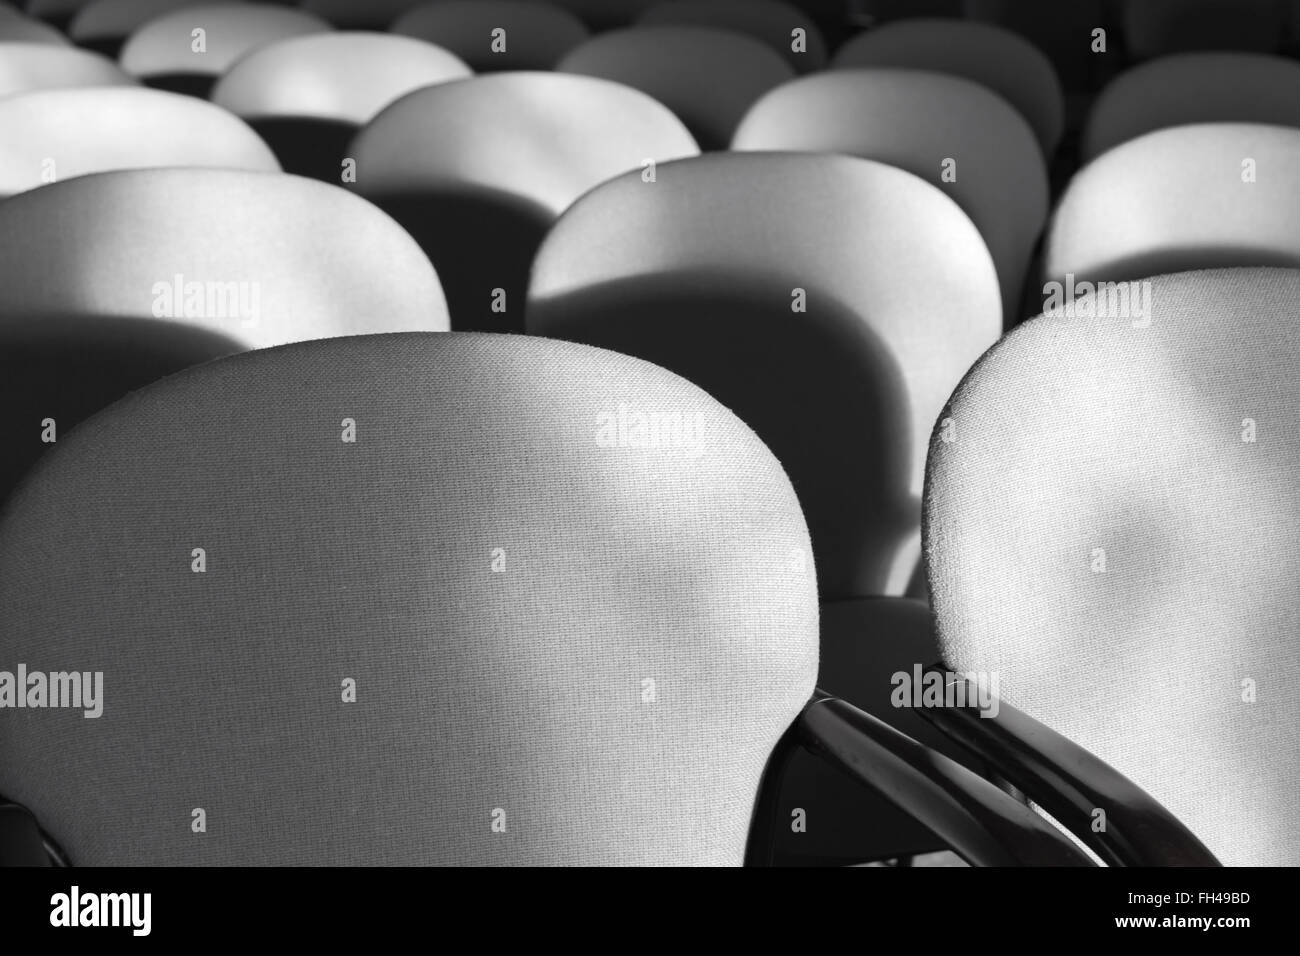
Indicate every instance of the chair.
{"type": "Point", "coordinates": [161, 52]}
{"type": "Point", "coordinates": [104, 25]}
{"type": "Point", "coordinates": [536, 35]}
{"type": "Point", "coordinates": [708, 77]}
{"type": "Point", "coordinates": [1190, 197]}
{"type": "Point", "coordinates": [114, 280]}
{"type": "Point", "coordinates": [1191, 88]}
{"type": "Point", "coordinates": [478, 171]}
{"type": "Point", "coordinates": [373, 563]}
{"type": "Point", "coordinates": [811, 294]}
{"type": "Point", "coordinates": [774, 22]}
{"type": "Point", "coordinates": [1114, 533]}
{"type": "Point", "coordinates": [488, 602]}
{"type": "Point", "coordinates": [1158, 27]}
{"type": "Point", "coordinates": [53, 135]}
{"type": "Point", "coordinates": [57, 13]}
{"type": "Point", "coordinates": [40, 66]}
{"type": "Point", "coordinates": [19, 29]}
{"type": "Point", "coordinates": [955, 134]}
{"type": "Point", "coordinates": [307, 96]}
{"type": "Point", "coordinates": [994, 57]}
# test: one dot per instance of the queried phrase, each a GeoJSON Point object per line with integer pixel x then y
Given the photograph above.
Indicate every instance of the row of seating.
{"type": "Point", "coordinates": [482, 137]}
{"type": "Point", "coordinates": [1149, 27]}
{"type": "Point", "coordinates": [1188, 202]}
{"type": "Point", "coordinates": [567, 642]}
{"type": "Point", "coordinates": [838, 273]}
{"type": "Point", "coordinates": [677, 58]}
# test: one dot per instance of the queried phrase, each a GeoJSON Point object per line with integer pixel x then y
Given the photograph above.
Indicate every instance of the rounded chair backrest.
{"type": "Point", "coordinates": [322, 259]}
{"type": "Point", "coordinates": [832, 302]}
{"type": "Point", "coordinates": [308, 95]}
{"type": "Point", "coordinates": [494, 35]}
{"type": "Point", "coordinates": [54, 135]}
{"type": "Point", "coordinates": [114, 280]}
{"type": "Point", "coordinates": [42, 66]}
{"type": "Point", "coordinates": [104, 25]}
{"type": "Point", "coordinates": [163, 49]}
{"type": "Point", "coordinates": [1156, 27]}
{"type": "Point", "coordinates": [1190, 197]}
{"type": "Point", "coordinates": [1193, 88]}
{"type": "Point", "coordinates": [996, 58]}
{"type": "Point", "coordinates": [57, 12]}
{"type": "Point", "coordinates": [708, 77]}
{"type": "Point", "coordinates": [1113, 533]}
{"type": "Point", "coordinates": [958, 135]}
{"type": "Point", "coordinates": [782, 26]}
{"type": "Point", "coordinates": [19, 29]}
{"type": "Point", "coordinates": [477, 171]}
{"type": "Point", "coordinates": [477, 633]}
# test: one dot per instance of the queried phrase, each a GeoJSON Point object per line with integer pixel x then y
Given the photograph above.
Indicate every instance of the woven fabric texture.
{"type": "Point", "coordinates": [1206, 196]}
{"type": "Point", "coordinates": [1193, 88]}
{"type": "Point", "coordinates": [344, 76]}
{"type": "Point", "coordinates": [708, 77]}
{"type": "Point", "coordinates": [36, 66]}
{"type": "Point", "coordinates": [545, 138]}
{"type": "Point", "coordinates": [1113, 530]}
{"type": "Point", "coordinates": [957, 135]}
{"type": "Point", "coordinates": [318, 261]}
{"type": "Point", "coordinates": [899, 300]}
{"type": "Point", "coordinates": [164, 44]}
{"type": "Point", "coordinates": [72, 132]}
{"type": "Point", "coordinates": [583, 630]}
{"type": "Point", "coordinates": [1003, 61]}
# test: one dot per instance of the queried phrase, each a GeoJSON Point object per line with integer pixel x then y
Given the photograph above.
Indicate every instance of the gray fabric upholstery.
{"type": "Point", "coordinates": [1175, 200]}
{"type": "Point", "coordinates": [477, 171]}
{"type": "Point", "coordinates": [164, 45]}
{"type": "Point", "coordinates": [343, 77]}
{"type": "Point", "coordinates": [537, 35]}
{"type": "Point", "coordinates": [99, 129]}
{"type": "Point", "coordinates": [51, 8]}
{"type": "Point", "coordinates": [19, 29]}
{"type": "Point", "coordinates": [102, 20]}
{"type": "Point", "coordinates": [90, 270]}
{"type": "Point", "coordinates": [38, 66]}
{"type": "Point", "coordinates": [544, 137]}
{"type": "Point", "coordinates": [54, 9]}
{"type": "Point", "coordinates": [846, 391]}
{"type": "Point", "coordinates": [476, 691]}
{"type": "Point", "coordinates": [771, 21]}
{"type": "Point", "coordinates": [1194, 88]}
{"type": "Point", "coordinates": [917, 121]}
{"type": "Point", "coordinates": [992, 56]}
{"type": "Point", "coordinates": [708, 77]}
{"type": "Point", "coordinates": [324, 262]}
{"type": "Point", "coordinates": [1101, 536]}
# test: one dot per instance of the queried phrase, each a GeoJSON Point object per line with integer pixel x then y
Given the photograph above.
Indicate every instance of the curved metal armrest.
{"type": "Point", "coordinates": [982, 824]}
{"type": "Point", "coordinates": [1071, 784]}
